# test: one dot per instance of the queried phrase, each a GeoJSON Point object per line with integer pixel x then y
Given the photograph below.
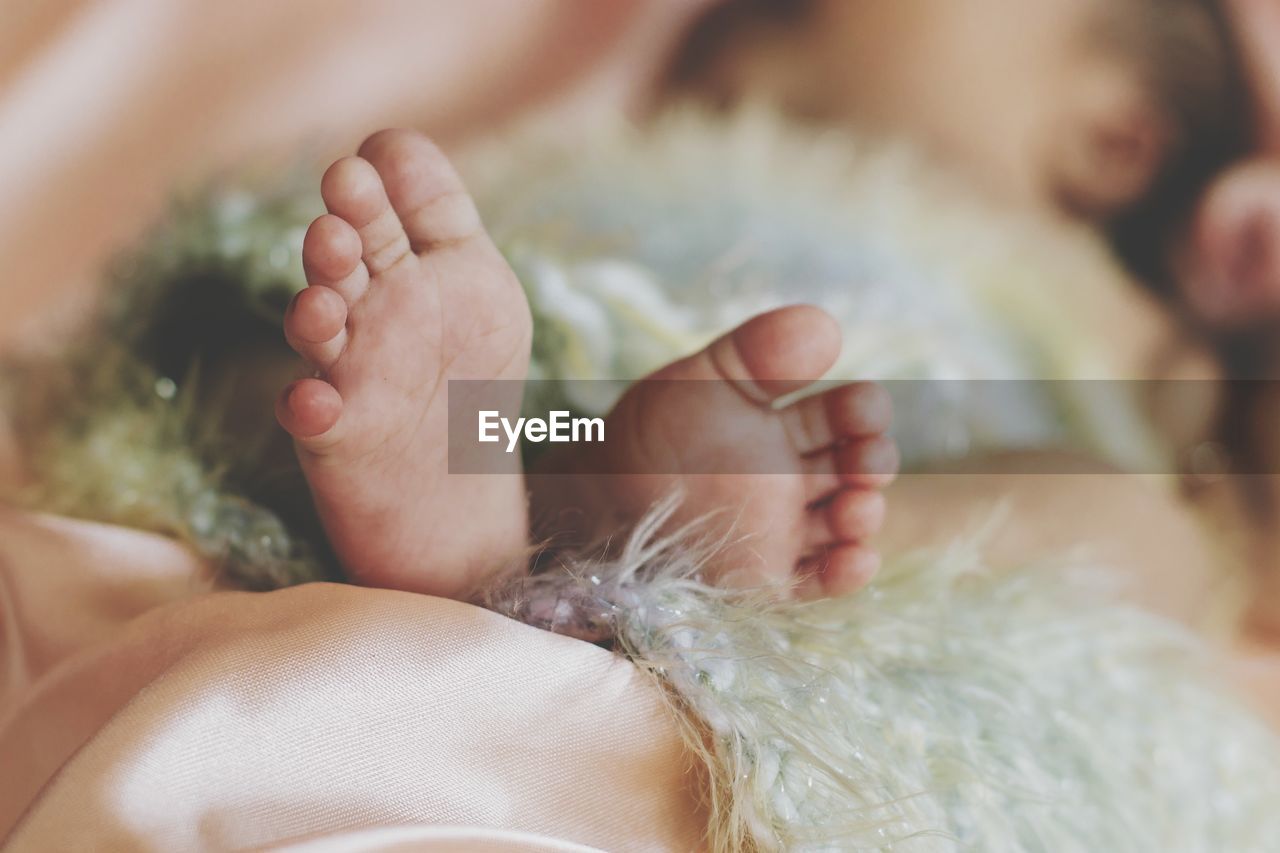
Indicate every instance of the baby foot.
{"type": "Point", "coordinates": [796, 489]}
{"type": "Point", "coordinates": [406, 292]}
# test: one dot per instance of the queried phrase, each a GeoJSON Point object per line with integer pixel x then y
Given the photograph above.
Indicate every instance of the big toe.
{"type": "Point", "coordinates": [425, 190]}
{"type": "Point", "coordinates": [779, 352]}
{"type": "Point", "coordinates": [768, 356]}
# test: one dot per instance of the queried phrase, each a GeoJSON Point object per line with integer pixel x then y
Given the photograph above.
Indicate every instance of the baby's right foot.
{"type": "Point", "coordinates": [406, 292]}
{"type": "Point", "coordinates": [795, 490]}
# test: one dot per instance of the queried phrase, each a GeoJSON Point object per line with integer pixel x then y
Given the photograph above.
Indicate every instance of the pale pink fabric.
{"type": "Point", "coordinates": [429, 839]}
{"type": "Point", "coordinates": [107, 108]}
{"type": "Point", "coordinates": [229, 720]}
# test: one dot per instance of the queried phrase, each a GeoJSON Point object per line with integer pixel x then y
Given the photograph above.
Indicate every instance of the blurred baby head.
{"type": "Point", "coordinates": [1102, 110]}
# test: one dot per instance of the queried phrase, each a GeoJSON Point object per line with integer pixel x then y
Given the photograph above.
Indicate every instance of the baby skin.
{"type": "Point", "coordinates": [406, 292]}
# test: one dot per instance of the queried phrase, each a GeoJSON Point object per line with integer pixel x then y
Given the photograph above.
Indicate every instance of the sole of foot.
{"type": "Point", "coordinates": [405, 293]}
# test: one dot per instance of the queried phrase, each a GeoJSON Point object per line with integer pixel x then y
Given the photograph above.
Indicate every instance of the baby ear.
{"type": "Point", "coordinates": [1230, 272]}
{"type": "Point", "coordinates": [1111, 145]}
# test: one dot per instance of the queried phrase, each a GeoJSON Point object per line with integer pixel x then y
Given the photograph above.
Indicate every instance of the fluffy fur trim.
{"type": "Point", "coordinates": [946, 707]}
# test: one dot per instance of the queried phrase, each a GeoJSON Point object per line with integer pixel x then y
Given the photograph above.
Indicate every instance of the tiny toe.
{"type": "Point", "coordinates": [778, 352]}
{"type": "Point", "coordinates": [315, 325]}
{"type": "Point", "coordinates": [868, 463]}
{"type": "Point", "coordinates": [431, 200]}
{"type": "Point", "coordinates": [846, 569]}
{"type": "Point", "coordinates": [309, 409]}
{"type": "Point", "coordinates": [352, 190]}
{"type": "Point", "coordinates": [331, 257]}
{"type": "Point", "coordinates": [818, 422]}
{"type": "Point", "coordinates": [836, 571]}
{"type": "Point", "coordinates": [855, 514]}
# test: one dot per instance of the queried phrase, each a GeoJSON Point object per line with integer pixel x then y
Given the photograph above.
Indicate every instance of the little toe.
{"type": "Point", "coordinates": [315, 325]}
{"type": "Point", "coordinates": [846, 569]}
{"type": "Point", "coordinates": [867, 463]}
{"type": "Point", "coordinates": [309, 409]}
{"type": "Point", "coordinates": [331, 257]}
{"type": "Point", "coordinates": [353, 190]}
{"type": "Point", "coordinates": [836, 571]}
{"type": "Point", "coordinates": [427, 194]}
{"type": "Point", "coordinates": [778, 352]}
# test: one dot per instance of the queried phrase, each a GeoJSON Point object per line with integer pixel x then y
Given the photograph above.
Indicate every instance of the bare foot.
{"type": "Point", "coordinates": [796, 489]}
{"type": "Point", "coordinates": [406, 292]}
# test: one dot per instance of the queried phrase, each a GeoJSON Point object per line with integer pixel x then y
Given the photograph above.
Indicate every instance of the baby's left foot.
{"type": "Point", "coordinates": [406, 293]}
